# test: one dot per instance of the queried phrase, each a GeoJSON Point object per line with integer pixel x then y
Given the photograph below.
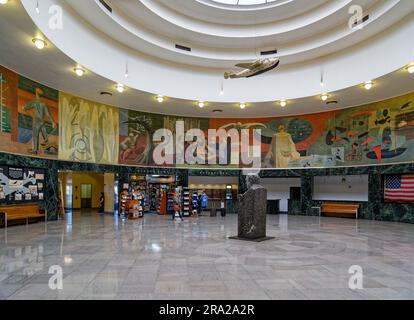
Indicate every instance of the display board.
{"type": "Point", "coordinates": [19, 184]}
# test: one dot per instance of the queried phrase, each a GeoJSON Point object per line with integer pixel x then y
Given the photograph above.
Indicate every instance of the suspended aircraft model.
{"type": "Point", "coordinates": [252, 69]}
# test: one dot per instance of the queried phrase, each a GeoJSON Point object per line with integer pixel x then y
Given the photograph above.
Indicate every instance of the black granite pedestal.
{"type": "Point", "coordinates": [252, 215]}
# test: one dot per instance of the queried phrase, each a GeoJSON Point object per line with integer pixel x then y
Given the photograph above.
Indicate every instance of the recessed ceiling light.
{"type": "Point", "coordinates": [4, 1]}
{"type": "Point", "coordinates": [160, 98]}
{"type": "Point", "coordinates": [324, 96]}
{"type": "Point", "coordinates": [120, 87]}
{"type": "Point", "coordinates": [410, 69]}
{"type": "Point", "coordinates": [283, 103]}
{"type": "Point", "coordinates": [242, 105]}
{"type": "Point", "coordinates": [79, 71]}
{"type": "Point", "coordinates": [39, 43]}
{"type": "Point", "coordinates": [368, 85]}
{"type": "Point", "coordinates": [201, 104]}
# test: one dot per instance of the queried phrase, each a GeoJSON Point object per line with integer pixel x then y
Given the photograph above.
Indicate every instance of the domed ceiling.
{"type": "Point", "coordinates": [181, 49]}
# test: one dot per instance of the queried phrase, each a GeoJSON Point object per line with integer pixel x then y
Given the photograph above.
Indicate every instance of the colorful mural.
{"type": "Point", "coordinates": [377, 133]}
{"type": "Point", "coordinates": [136, 134]}
{"type": "Point", "coordinates": [29, 116]}
{"type": "Point", "coordinates": [40, 121]}
{"type": "Point", "coordinates": [89, 131]}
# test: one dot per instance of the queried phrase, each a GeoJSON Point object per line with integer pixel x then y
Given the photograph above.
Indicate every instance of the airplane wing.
{"type": "Point", "coordinates": [244, 65]}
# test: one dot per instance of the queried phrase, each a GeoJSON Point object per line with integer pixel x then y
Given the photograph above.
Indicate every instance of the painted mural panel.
{"type": "Point", "coordinates": [136, 134]}
{"type": "Point", "coordinates": [376, 133]}
{"type": "Point", "coordinates": [29, 116]}
{"type": "Point", "coordinates": [89, 131]}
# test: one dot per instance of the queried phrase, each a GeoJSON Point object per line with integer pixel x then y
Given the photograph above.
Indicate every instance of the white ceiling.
{"type": "Point", "coordinates": [245, 2]}
{"type": "Point", "coordinates": [54, 68]}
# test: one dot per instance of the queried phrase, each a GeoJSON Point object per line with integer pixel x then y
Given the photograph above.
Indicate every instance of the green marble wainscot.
{"type": "Point", "coordinates": [294, 207]}
{"type": "Point", "coordinates": [232, 206]}
{"type": "Point", "coordinates": [375, 208]}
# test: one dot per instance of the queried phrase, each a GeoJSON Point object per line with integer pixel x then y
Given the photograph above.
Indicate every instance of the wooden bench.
{"type": "Point", "coordinates": [342, 210]}
{"type": "Point", "coordinates": [19, 213]}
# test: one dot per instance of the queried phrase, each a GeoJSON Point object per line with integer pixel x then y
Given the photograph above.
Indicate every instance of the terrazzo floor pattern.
{"type": "Point", "coordinates": [103, 257]}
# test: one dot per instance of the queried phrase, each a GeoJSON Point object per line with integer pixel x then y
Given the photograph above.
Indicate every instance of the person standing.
{"type": "Point", "coordinates": [102, 203]}
{"type": "Point", "coordinates": [204, 200]}
{"type": "Point", "coordinates": [177, 208]}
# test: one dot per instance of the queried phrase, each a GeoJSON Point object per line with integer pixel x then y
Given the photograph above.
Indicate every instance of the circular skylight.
{"type": "Point", "coordinates": [244, 2]}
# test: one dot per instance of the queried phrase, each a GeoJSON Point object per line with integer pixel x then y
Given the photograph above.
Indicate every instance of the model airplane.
{"type": "Point", "coordinates": [252, 69]}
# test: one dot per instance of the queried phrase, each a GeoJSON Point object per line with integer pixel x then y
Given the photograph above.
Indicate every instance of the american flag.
{"type": "Point", "coordinates": [399, 188]}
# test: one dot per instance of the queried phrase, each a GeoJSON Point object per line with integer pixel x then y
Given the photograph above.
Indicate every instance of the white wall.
{"type": "Point", "coordinates": [332, 188]}
{"type": "Point", "coordinates": [109, 181]}
{"type": "Point", "coordinates": [279, 188]}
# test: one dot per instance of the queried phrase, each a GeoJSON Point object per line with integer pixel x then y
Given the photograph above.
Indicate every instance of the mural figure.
{"type": "Point", "coordinates": [282, 149]}
{"type": "Point", "coordinates": [40, 110]}
{"type": "Point", "coordinates": [29, 116]}
{"type": "Point", "coordinates": [127, 146]}
{"type": "Point", "coordinates": [138, 126]}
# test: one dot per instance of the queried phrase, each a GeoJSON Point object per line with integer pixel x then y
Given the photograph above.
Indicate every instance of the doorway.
{"type": "Point", "coordinates": [82, 191]}
{"type": "Point", "coordinates": [86, 195]}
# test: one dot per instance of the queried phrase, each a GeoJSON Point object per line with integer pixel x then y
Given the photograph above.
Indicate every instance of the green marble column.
{"type": "Point", "coordinates": [374, 196]}
{"type": "Point", "coordinates": [242, 183]}
{"type": "Point", "coordinates": [306, 193]}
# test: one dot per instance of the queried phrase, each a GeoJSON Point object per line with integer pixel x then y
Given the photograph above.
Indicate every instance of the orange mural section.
{"type": "Point", "coordinates": [29, 116]}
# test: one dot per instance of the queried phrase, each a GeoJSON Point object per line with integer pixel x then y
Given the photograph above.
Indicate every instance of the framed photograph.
{"type": "Point", "coordinates": [41, 196]}
{"type": "Point", "coordinates": [30, 174]}
{"type": "Point", "coordinates": [40, 176]}
{"type": "Point", "coordinates": [40, 186]}
{"type": "Point", "coordinates": [2, 196]}
{"type": "Point", "coordinates": [28, 196]}
{"type": "Point", "coordinates": [18, 197]}
{"type": "Point", "coordinates": [33, 190]}
{"type": "Point", "coordinates": [15, 184]}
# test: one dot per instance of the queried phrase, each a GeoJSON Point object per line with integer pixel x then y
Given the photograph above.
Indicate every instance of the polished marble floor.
{"type": "Point", "coordinates": [103, 257]}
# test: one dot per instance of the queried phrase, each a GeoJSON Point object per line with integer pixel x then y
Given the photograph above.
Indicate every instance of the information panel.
{"type": "Point", "coordinates": [19, 184]}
